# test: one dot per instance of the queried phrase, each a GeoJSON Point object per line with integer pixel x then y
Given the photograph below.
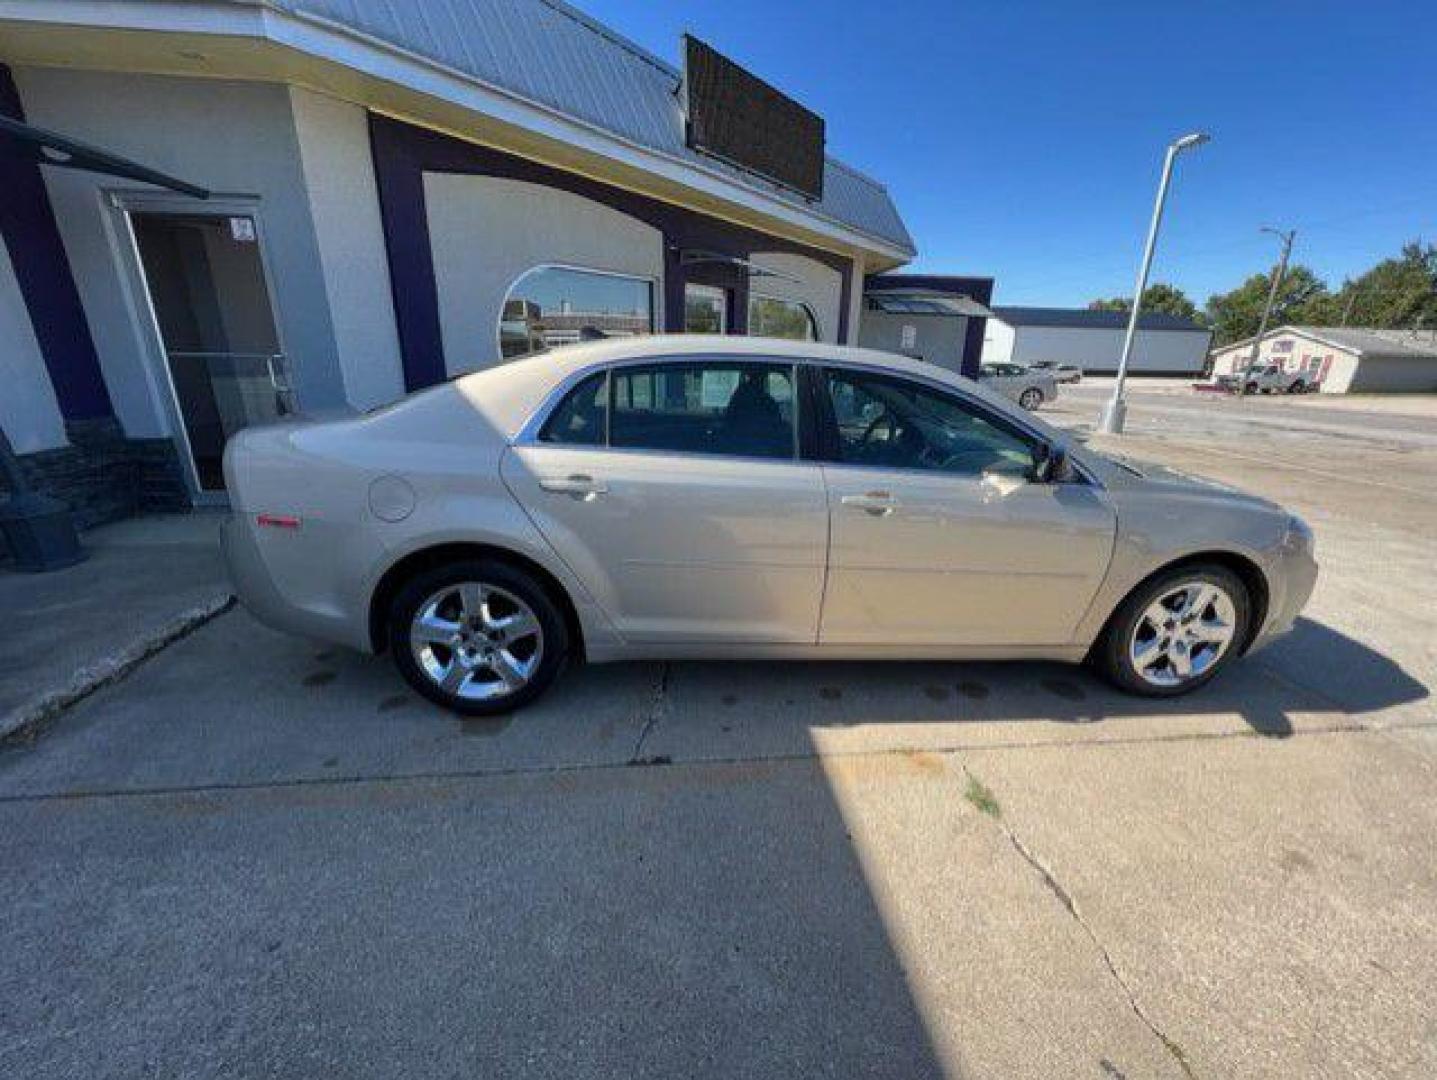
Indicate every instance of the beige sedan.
{"type": "Point", "coordinates": [732, 497]}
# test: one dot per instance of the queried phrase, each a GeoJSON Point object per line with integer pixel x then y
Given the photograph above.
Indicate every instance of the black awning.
{"type": "Point", "coordinates": [924, 302]}
{"type": "Point", "coordinates": [690, 258]}
{"type": "Point", "coordinates": [49, 148]}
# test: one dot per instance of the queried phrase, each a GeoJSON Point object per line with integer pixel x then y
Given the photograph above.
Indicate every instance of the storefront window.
{"type": "Point", "coordinates": [705, 310]}
{"type": "Point", "coordinates": [554, 305]}
{"type": "Point", "coordinates": [770, 317]}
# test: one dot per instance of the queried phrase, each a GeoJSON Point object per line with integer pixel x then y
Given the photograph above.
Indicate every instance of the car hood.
{"type": "Point", "coordinates": [1121, 471]}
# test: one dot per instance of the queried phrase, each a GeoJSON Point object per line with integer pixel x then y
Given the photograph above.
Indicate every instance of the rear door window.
{"type": "Point", "coordinates": [708, 407]}
{"type": "Point", "coordinates": [581, 419]}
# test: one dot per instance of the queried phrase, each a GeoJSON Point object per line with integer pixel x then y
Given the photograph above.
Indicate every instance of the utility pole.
{"type": "Point", "coordinates": [1116, 410]}
{"type": "Point", "coordinates": [1277, 276]}
{"type": "Point", "coordinates": [1347, 309]}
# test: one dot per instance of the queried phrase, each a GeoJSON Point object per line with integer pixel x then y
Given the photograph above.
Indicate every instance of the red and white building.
{"type": "Point", "coordinates": [1342, 359]}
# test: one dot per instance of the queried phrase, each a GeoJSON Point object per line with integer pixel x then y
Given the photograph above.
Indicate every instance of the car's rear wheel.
{"type": "Point", "coordinates": [1176, 632]}
{"type": "Point", "coordinates": [1031, 398]}
{"type": "Point", "coordinates": [479, 637]}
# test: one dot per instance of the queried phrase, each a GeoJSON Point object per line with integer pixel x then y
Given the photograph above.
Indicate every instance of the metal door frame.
{"type": "Point", "coordinates": [124, 205]}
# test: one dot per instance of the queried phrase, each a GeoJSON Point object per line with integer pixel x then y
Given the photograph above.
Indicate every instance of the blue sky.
{"type": "Point", "coordinates": [1024, 140]}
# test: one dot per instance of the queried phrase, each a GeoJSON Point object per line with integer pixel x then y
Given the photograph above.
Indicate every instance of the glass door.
{"type": "Point", "coordinates": [212, 309]}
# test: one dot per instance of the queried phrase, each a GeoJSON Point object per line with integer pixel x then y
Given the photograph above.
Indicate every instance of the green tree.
{"type": "Point", "coordinates": [1302, 298]}
{"type": "Point", "coordinates": [1398, 293]}
{"type": "Point", "coordinates": [1159, 297]}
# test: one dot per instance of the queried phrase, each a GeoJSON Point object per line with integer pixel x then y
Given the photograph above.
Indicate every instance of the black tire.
{"type": "Point", "coordinates": [1296, 387]}
{"type": "Point", "coordinates": [1111, 654]}
{"type": "Point", "coordinates": [1250, 388]}
{"type": "Point", "coordinates": [554, 642]}
{"type": "Point", "coordinates": [1031, 398]}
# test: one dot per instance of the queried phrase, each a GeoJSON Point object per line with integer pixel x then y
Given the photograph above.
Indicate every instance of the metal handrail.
{"type": "Point", "coordinates": [272, 361]}
{"type": "Point", "coordinates": [226, 355]}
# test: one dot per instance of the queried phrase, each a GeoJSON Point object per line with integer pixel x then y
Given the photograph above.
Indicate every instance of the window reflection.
{"type": "Point", "coordinates": [554, 305]}
{"type": "Point", "coordinates": [771, 317]}
{"type": "Point", "coordinates": [705, 309]}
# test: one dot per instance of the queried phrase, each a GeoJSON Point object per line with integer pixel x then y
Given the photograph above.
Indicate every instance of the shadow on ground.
{"type": "Point", "coordinates": [1313, 677]}
{"type": "Point", "coordinates": [259, 850]}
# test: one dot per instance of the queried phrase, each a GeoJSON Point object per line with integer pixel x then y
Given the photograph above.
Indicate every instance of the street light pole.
{"type": "Point", "coordinates": [1116, 410]}
{"type": "Point", "coordinates": [1277, 275]}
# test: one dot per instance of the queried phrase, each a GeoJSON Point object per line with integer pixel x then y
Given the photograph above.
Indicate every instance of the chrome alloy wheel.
{"type": "Point", "coordinates": [476, 641]}
{"type": "Point", "coordinates": [1183, 633]}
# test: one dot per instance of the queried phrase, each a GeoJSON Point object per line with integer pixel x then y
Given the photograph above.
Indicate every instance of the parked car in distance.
{"type": "Point", "coordinates": [1062, 373]}
{"type": "Point", "coordinates": [741, 497]}
{"type": "Point", "coordinates": [1027, 387]}
{"type": "Point", "coordinates": [1269, 379]}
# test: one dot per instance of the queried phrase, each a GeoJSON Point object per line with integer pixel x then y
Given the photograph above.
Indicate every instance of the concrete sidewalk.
{"type": "Point", "coordinates": [148, 580]}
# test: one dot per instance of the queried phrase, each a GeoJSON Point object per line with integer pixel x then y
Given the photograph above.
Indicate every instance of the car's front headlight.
{"type": "Point", "coordinates": [1298, 535]}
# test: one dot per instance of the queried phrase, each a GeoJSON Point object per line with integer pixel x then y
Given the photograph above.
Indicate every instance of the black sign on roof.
{"type": "Point", "coordinates": [738, 118]}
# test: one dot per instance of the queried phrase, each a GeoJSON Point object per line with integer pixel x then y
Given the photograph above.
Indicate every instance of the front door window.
{"type": "Point", "coordinates": [895, 424]}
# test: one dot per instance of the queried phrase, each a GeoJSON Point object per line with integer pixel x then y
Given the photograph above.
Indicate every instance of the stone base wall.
{"type": "Point", "coordinates": [104, 476]}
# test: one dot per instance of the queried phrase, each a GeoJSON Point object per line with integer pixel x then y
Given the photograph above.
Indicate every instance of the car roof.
{"type": "Point", "coordinates": [509, 394]}
{"type": "Point", "coordinates": [677, 347]}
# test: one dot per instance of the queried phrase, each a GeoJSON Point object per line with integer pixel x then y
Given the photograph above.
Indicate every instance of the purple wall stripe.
{"type": "Point", "coordinates": [403, 153]}
{"type": "Point", "coordinates": [27, 222]}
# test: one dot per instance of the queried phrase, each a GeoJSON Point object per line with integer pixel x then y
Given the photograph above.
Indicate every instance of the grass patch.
{"type": "Point", "coordinates": [977, 794]}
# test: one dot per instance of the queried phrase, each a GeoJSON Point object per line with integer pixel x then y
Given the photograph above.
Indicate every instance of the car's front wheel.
{"type": "Point", "coordinates": [1175, 632]}
{"type": "Point", "coordinates": [479, 637]}
{"type": "Point", "coordinates": [1031, 398]}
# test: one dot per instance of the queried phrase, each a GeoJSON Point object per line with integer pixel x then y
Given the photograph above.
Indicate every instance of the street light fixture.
{"type": "Point", "coordinates": [1116, 410]}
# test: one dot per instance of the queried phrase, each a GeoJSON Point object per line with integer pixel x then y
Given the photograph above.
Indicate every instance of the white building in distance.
{"type": "Point", "coordinates": [1093, 340]}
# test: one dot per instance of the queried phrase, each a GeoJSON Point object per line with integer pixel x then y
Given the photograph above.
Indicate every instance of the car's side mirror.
{"type": "Point", "coordinates": [1050, 464]}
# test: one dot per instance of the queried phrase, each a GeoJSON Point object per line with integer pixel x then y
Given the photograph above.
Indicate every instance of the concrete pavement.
{"type": "Point", "coordinates": [147, 581]}
{"type": "Point", "coordinates": [259, 856]}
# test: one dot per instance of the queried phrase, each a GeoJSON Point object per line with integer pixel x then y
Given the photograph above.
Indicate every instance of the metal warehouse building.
{"type": "Point", "coordinates": [1343, 359]}
{"type": "Point", "coordinates": [1093, 340]}
{"type": "Point", "coordinates": [356, 198]}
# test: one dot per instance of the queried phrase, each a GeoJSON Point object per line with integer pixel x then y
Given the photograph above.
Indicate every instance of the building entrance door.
{"type": "Point", "coordinates": [212, 309]}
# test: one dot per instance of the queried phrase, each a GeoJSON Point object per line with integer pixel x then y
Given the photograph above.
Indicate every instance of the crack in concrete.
{"type": "Point", "coordinates": [1065, 898]}
{"type": "Point", "coordinates": [730, 761]}
{"type": "Point", "coordinates": [25, 723]}
{"type": "Point", "coordinates": [658, 697]}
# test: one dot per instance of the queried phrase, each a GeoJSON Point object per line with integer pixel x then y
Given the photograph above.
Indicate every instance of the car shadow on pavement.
{"type": "Point", "coordinates": [1343, 671]}
{"type": "Point", "coordinates": [1310, 676]}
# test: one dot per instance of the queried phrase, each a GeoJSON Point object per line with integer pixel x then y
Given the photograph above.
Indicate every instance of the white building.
{"type": "Point", "coordinates": [352, 199]}
{"type": "Point", "coordinates": [1093, 340]}
{"type": "Point", "coordinates": [1343, 359]}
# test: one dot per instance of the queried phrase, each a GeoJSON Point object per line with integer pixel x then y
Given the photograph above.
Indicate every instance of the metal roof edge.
{"type": "Point", "coordinates": [889, 245]}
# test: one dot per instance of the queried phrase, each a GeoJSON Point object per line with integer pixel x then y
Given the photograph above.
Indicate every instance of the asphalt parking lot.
{"type": "Point", "coordinates": [256, 856]}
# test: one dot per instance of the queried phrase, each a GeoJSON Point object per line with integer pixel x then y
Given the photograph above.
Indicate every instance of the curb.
{"type": "Point", "coordinates": [24, 722]}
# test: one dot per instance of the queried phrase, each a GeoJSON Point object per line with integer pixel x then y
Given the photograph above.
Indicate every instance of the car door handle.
{"type": "Point", "coordinates": [877, 503]}
{"type": "Point", "coordinates": [578, 486]}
